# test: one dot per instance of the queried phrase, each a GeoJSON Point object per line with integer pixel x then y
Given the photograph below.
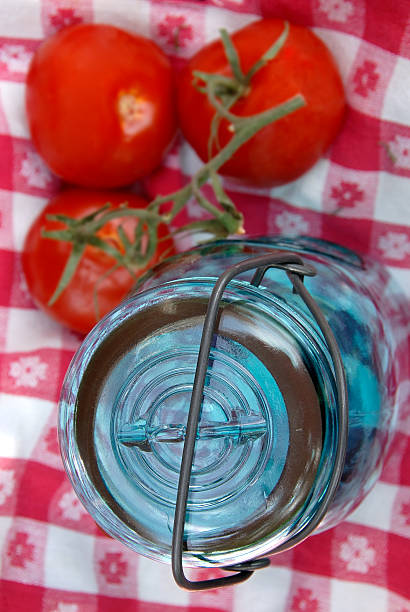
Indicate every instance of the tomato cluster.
{"type": "Point", "coordinates": [101, 111]}
{"type": "Point", "coordinates": [103, 106]}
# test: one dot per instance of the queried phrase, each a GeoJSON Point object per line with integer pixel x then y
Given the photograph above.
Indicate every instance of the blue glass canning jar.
{"type": "Point", "coordinates": [274, 457]}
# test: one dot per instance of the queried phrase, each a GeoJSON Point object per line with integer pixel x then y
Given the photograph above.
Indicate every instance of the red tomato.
{"type": "Point", "coordinates": [44, 259]}
{"type": "Point", "coordinates": [285, 149]}
{"type": "Point", "coordinates": [100, 105]}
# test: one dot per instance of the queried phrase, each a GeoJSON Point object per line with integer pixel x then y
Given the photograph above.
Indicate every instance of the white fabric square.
{"type": "Point", "coordinates": [305, 192]}
{"type": "Point", "coordinates": [12, 98]}
{"type": "Point", "coordinates": [373, 514]}
{"type": "Point", "coordinates": [6, 214]}
{"type": "Point", "coordinates": [401, 276]}
{"type": "Point", "coordinates": [28, 330]}
{"type": "Point", "coordinates": [369, 78]}
{"type": "Point", "coordinates": [156, 584]}
{"type": "Point", "coordinates": [189, 160]}
{"type": "Point", "coordinates": [22, 19]}
{"type": "Point", "coordinates": [396, 105]}
{"type": "Point", "coordinates": [391, 203]}
{"type": "Point", "coordinates": [354, 595]}
{"type": "Point", "coordinates": [130, 15]}
{"type": "Point", "coordinates": [217, 18]}
{"type": "Point", "coordinates": [25, 209]}
{"type": "Point", "coordinates": [77, 551]}
{"type": "Point", "coordinates": [265, 591]}
{"type": "Point", "coordinates": [22, 422]}
{"type": "Point", "coordinates": [343, 47]}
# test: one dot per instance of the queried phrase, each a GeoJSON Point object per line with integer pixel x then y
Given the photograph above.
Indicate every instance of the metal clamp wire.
{"type": "Point", "coordinates": [295, 268]}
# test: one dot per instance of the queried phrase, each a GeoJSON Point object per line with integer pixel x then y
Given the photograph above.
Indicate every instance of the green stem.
{"type": "Point", "coordinates": [270, 54]}
{"type": "Point", "coordinates": [246, 127]}
{"type": "Point", "coordinates": [69, 270]}
{"type": "Point", "coordinates": [232, 56]}
{"type": "Point", "coordinates": [141, 213]}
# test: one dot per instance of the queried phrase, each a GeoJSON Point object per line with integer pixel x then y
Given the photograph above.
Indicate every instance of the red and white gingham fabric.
{"type": "Point", "coordinates": [53, 558]}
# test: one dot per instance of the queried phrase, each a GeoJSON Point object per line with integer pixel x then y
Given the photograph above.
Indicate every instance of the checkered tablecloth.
{"type": "Point", "coordinates": [53, 558]}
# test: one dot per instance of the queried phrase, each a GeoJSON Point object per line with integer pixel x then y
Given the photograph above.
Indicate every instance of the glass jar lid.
{"type": "Point", "coordinates": [260, 438]}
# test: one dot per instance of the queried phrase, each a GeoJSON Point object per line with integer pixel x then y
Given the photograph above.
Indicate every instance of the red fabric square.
{"type": "Point", "coordinates": [6, 165]}
{"type": "Point", "coordinates": [314, 555]}
{"type": "Point", "coordinates": [36, 488]}
{"type": "Point", "coordinates": [108, 604]}
{"type": "Point", "coordinates": [254, 210]}
{"type": "Point", "coordinates": [6, 275]}
{"type": "Point", "coordinates": [397, 556]}
{"type": "Point", "coordinates": [358, 143]}
{"type": "Point", "coordinates": [355, 234]}
{"type": "Point", "coordinates": [15, 597]}
{"type": "Point", "coordinates": [385, 25]}
{"type": "Point", "coordinates": [298, 11]}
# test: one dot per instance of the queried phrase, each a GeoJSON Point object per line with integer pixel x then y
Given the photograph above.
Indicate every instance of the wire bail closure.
{"type": "Point", "coordinates": [296, 270]}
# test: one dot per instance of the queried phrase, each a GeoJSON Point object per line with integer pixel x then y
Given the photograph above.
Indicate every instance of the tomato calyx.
{"type": "Point", "coordinates": [222, 93]}
{"type": "Point", "coordinates": [130, 254]}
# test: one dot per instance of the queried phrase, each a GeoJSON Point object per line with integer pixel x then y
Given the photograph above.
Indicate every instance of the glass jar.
{"type": "Point", "coordinates": [267, 440]}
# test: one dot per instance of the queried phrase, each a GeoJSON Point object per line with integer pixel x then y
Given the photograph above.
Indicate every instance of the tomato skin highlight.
{"type": "Point", "coordinates": [44, 259]}
{"type": "Point", "coordinates": [285, 149]}
{"type": "Point", "coordinates": [100, 105]}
